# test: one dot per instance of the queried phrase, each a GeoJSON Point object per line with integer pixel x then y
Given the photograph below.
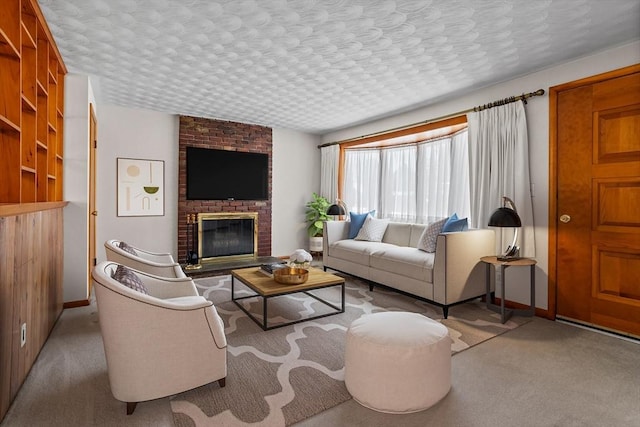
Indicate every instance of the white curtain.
{"type": "Point", "coordinates": [433, 180]}
{"type": "Point", "coordinates": [443, 178]}
{"type": "Point", "coordinates": [499, 166]}
{"type": "Point", "coordinates": [459, 189]}
{"type": "Point", "coordinates": [329, 162]}
{"type": "Point", "coordinates": [398, 184]}
{"type": "Point", "coordinates": [361, 186]}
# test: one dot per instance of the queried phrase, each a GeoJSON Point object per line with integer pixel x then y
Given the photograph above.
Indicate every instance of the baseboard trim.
{"type": "Point", "coordinates": [540, 312]}
{"type": "Point", "coordinates": [74, 304]}
{"type": "Point", "coordinates": [599, 329]}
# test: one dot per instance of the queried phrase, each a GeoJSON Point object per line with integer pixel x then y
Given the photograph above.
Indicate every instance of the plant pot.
{"type": "Point", "coordinates": [315, 244]}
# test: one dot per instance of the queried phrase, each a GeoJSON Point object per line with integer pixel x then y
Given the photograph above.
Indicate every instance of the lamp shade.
{"type": "Point", "coordinates": [507, 217]}
{"type": "Point", "coordinates": [504, 217]}
{"type": "Point", "coordinates": [336, 210]}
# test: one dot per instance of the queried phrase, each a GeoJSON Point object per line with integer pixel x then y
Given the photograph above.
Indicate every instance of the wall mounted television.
{"type": "Point", "coordinates": [226, 175]}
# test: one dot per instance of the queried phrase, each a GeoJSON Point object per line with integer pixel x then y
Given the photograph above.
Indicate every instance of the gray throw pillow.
{"type": "Point", "coordinates": [127, 277]}
{"type": "Point", "coordinates": [125, 247]}
{"type": "Point", "coordinates": [429, 237]}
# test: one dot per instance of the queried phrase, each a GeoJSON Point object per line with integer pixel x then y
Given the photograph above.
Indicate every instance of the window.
{"type": "Point", "coordinates": [415, 177]}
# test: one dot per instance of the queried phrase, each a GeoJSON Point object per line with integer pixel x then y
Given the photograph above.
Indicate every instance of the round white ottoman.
{"type": "Point", "coordinates": [397, 362]}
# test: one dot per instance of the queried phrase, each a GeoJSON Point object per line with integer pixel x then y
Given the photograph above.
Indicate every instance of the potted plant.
{"type": "Point", "coordinates": [316, 214]}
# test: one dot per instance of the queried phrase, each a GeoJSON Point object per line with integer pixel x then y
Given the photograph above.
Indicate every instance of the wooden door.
{"type": "Point", "coordinates": [93, 213]}
{"type": "Point", "coordinates": [596, 216]}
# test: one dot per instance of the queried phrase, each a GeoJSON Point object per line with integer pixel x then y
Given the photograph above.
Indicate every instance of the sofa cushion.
{"type": "Point", "coordinates": [398, 233]}
{"type": "Point", "coordinates": [416, 233]}
{"type": "Point", "coordinates": [373, 229]}
{"type": "Point", "coordinates": [356, 222]}
{"type": "Point", "coordinates": [405, 261]}
{"type": "Point", "coordinates": [429, 238]}
{"type": "Point", "coordinates": [356, 251]}
{"type": "Point", "coordinates": [455, 224]}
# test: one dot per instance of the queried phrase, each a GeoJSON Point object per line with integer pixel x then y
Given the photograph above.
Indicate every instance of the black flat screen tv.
{"type": "Point", "coordinates": [226, 175]}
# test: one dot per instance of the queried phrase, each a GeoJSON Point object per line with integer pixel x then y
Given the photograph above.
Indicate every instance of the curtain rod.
{"type": "Point", "coordinates": [504, 101]}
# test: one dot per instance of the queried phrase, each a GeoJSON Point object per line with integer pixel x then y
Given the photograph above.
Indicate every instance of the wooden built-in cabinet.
{"type": "Point", "coordinates": [31, 106]}
{"type": "Point", "coordinates": [31, 207]}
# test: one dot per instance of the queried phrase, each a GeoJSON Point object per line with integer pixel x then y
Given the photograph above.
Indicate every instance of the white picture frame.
{"type": "Point", "coordinates": [140, 187]}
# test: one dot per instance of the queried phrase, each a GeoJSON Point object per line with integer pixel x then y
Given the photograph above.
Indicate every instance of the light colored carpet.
{"type": "Point", "coordinates": [282, 376]}
{"type": "Point", "coordinates": [543, 373]}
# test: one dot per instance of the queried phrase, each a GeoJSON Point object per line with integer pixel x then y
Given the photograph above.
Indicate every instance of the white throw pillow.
{"type": "Point", "coordinates": [373, 229]}
{"type": "Point", "coordinates": [429, 237]}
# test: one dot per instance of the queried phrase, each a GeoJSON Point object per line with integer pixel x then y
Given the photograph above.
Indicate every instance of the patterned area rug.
{"type": "Point", "coordinates": [285, 375]}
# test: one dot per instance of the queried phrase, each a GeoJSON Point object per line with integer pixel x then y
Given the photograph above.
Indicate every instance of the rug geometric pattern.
{"type": "Point", "coordinates": [284, 375]}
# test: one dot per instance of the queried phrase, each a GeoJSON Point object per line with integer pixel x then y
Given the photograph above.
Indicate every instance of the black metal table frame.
{"type": "Point", "coordinates": [265, 299]}
{"type": "Point", "coordinates": [506, 313]}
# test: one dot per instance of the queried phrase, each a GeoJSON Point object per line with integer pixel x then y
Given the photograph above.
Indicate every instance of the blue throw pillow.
{"type": "Point", "coordinates": [455, 224]}
{"type": "Point", "coordinates": [356, 222]}
{"type": "Point", "coordinates": [453, 217]}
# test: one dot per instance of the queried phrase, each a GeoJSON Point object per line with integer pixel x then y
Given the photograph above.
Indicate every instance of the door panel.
{"type": "Point", "coordinates": [617, 132]}
{"type": "Point", "coordinates": [616, 205]}
{"type": "Point", "coordinates": [574, 189]}
{"type": "Point", "coordinates": [598, 186]}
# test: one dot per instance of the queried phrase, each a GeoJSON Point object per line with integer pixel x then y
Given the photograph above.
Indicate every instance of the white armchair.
{"type": "Point", "coordinates": [159, 264]}
{"type": "Point", "coordinates": [161, 343]}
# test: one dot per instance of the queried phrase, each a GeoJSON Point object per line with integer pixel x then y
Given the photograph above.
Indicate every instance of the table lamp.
{"type": "Point", "coordinates": [339, 208]}
{"type": "Point", "coordinates": [507, 216]}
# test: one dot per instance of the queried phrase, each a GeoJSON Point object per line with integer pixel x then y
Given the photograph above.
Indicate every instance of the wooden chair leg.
{"type": "Point", "coordinates": [222, 382]}
{"type": "Point", "coordinates": [131, 406]}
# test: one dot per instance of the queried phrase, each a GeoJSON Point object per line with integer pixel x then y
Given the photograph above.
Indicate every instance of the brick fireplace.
{"type": "Point", "coordinates": [209, 133]}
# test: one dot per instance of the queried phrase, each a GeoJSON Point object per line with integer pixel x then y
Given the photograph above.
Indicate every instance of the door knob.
{"type": "Point", "coordinates": [94, 213]}
{"type": "Point", "coordinates": [565, 218]}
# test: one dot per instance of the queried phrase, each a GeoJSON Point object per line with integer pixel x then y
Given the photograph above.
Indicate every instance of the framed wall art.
{"type": "Point", "coordinates": [140, 187]}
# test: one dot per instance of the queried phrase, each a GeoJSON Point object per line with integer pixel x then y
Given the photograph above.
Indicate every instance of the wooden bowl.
{"type": "Point", "coordinates": [291, 275]}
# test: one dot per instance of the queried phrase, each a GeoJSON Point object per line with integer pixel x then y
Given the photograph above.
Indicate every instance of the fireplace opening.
{"type": "Point", "coordinates": [225, 236]}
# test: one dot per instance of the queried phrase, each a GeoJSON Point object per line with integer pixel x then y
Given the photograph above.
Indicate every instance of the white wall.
{"type": "Point", "coordinates": [78, 95]}
{"type": "Point", "coordinates": [296, 174]}
{"type": "Point", "coordinates": [538, 122]}
{"type": "Point", "coordinates": [125, 132]}
{"type": "Point", "coordinates": [138, 134]}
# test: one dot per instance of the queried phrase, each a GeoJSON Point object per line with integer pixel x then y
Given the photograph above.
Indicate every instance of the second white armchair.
{"type": "Point", "coordinates": [159, 264]}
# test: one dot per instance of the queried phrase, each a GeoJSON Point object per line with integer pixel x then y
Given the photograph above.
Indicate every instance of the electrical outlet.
{"type": "Point", "coordinates": [23, 335]}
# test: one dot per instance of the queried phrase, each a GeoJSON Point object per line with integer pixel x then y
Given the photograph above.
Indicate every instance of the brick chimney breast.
{"type": "Point", "coordinates": [222, 135]}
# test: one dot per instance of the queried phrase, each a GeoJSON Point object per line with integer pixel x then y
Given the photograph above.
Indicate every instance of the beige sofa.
{"type": "Point", "coordinates": [450, 275]}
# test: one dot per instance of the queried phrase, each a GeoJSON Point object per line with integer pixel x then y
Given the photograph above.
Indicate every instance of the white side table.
{"type": "Point", "coordinates": [506, 313]}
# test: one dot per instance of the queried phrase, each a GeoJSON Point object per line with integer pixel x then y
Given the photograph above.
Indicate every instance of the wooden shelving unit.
{"type": "Point", "coordinates": [31, 204]}
{"type": "Point", "coordinates": [31, 106]}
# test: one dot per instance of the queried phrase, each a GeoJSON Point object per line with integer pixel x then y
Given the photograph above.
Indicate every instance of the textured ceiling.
{"type": "Point", "coordinates": [317, 66]}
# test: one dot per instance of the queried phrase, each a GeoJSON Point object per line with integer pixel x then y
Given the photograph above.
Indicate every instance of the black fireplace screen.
{"type": "Point", "coordinates": [227, 237]}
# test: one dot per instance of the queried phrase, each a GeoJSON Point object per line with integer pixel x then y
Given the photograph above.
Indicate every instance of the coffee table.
{"type": "Point", "coordinates": [267, 288]}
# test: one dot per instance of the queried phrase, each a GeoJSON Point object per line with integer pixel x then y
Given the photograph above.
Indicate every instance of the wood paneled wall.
{"type": "Point", "coordinates": [31, 267]}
